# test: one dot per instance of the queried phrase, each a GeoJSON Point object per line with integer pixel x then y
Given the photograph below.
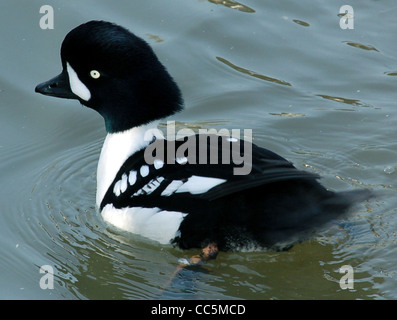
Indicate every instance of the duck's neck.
{"type": "Point", "coordinates": [117, 148]}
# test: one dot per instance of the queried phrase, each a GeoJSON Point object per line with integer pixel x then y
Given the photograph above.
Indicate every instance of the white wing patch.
{"type": "Point", "coordinates": [194, 185]}
{"type": "Point", "coordinates": [197, 185]}
{"type": "Point", "coordinates": [149, 187]}
{"type": "Point", "coordinates": [121, 185]}
{"type": "Point", "coordinates": [172, 187]}
{"type": "Point", "coordinates": [152, 185]}
{"type": "Point", "coordinates": [144, 171]}
{"type": "Point", "coordinates": [158, 164]}
{"type": "Point", "coordinates": [116, 188]}
{"type": "Point", "coordinates": [132, 177]}
{"type": "Point", "coordinates": [182, 160]}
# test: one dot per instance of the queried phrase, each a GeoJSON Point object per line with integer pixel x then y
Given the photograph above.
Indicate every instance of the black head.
{"type": "Point", "coordinates": [109, 69]}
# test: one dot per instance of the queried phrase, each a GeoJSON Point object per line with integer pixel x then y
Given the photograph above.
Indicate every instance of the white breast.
{"type": "Point", "coordinates": [117, 148]}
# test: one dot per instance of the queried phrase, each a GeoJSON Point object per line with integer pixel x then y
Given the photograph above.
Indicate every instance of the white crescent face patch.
{"type": "Point", "coordinates": [77, 87]}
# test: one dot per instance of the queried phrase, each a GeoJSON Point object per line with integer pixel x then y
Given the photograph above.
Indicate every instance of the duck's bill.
{"type": "Point", "coordinates": [57, 87]}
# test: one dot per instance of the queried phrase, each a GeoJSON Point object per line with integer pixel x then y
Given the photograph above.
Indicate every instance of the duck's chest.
{"type": "Point", "coordinates": [117, 148]}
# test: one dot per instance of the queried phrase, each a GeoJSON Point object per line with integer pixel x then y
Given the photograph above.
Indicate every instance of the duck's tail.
{"type": "Point", "coordinates": [336, 206]}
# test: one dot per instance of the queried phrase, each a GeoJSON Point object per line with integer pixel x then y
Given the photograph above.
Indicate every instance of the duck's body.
{"type": "Point", "coordinates": [174, 198]}
{"type": "Point", "coordinates": [193, 205]}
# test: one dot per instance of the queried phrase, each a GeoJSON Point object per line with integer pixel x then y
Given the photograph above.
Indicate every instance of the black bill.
{"type": "Point", "coordinates": [57, 87]}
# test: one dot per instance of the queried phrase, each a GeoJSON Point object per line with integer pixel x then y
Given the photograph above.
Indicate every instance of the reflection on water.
{"type": "Point", "coordinates": [233, 5]}
{"type": "Point", "coordinates": [361, 46]}
{"type": "Point", "coordinates": [302, 23]}
{"type": "Point", "coordinates": [154, 37]}
{"type": "Point", "coordinates": [252, 73]}
{"type": "Point", "coordinates": [287, 114]}
{"type": "Point", "coordinates": [353, 102]}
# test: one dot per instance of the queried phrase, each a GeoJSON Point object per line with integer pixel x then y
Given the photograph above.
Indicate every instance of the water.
{"type": "Point", "coordinates": [320, 96]}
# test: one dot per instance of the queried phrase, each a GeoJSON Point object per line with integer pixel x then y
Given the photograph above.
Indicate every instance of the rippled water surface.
{"type": "Point", "coordinates": [323, 97]}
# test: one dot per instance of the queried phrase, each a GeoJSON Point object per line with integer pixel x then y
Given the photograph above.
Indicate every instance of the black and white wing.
{"type": "Point", "coordinates": [179, 176]}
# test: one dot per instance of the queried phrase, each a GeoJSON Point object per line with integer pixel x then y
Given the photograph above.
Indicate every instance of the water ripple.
{"type": "Point", "coordinates": [252, 73]}
{"type": "Point", "coordinates": [233, 5]}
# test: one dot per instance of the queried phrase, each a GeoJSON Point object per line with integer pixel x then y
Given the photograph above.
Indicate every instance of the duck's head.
{"type": "Point", "coordinates": [109, 69]}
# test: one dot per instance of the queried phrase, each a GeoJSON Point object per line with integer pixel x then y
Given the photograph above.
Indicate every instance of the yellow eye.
{"type": "Point", "coordinates": [95, 74]}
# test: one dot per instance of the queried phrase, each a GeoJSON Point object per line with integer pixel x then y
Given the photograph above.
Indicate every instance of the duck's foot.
{"type": "Point", "coordinates": [208, 253]}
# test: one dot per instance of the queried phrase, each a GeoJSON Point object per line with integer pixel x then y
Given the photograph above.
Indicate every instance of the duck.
{"type": "Point", "coordinates": [159, 187]}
